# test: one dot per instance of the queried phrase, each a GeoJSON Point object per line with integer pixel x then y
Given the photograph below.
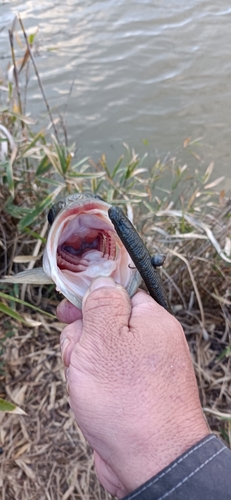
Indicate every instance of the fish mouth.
{"type": "Point", "coordinates": [82, 245]}
{"type": "Point", "coordinates": [86, 237]}
{"type": "Point", "coordinates": [76, 253]}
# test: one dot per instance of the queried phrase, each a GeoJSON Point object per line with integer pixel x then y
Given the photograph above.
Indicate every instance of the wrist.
{"type": "Point", "coordinates": [143, 459]}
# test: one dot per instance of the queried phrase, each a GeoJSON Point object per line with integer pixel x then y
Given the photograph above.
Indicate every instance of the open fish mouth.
{"type": "Point", "coordinates": [82, 244]}
{"type": "Point", "coordinates": [84, 238]}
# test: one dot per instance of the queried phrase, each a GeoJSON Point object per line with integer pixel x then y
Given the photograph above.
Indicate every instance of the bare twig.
{"type": "Point", "coordinates": [11, 36]}
{"type": "Point", "coordinates": [180, 256]}
{"type": "Point", "coordinates": [39, 80]}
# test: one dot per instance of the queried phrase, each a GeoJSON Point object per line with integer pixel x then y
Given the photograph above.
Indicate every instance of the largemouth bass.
{"type": "Point", "coordinates": [82, 244]}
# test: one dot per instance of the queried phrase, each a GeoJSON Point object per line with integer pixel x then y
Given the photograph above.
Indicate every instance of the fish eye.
{"type": "Point", "coordinates": [51, 216]}
{"type": "Point", "coordinates": [55, 209]}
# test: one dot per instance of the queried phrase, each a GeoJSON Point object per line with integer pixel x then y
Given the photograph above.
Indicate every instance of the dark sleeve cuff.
{"type": "Point", "coordinates": [202, 473]}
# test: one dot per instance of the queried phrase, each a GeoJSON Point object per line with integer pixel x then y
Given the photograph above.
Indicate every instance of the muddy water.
{"type": "Point", "coordinates": [149, 73]}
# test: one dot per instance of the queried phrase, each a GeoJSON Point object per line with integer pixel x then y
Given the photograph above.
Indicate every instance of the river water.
{"type": "Point", "coordinates": [148, 73]}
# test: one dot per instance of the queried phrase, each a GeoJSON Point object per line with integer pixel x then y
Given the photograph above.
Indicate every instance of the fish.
{"type": "Point", "coordinates": [82, 244]}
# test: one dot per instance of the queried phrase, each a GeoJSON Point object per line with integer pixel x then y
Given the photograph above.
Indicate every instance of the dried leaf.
{"type": "Point", "coordinates": [23, 259]}
{"type": "Point", "coordinates": [196, 156]}
{"type": "Point", "coordinates": [208, 171]}
{"type": "Point", "coordinates": [29, 472]}
{"type": "Point", "coordinates": [214, 183]}
{"type": "Point", "coordinates": [24, 60]}
{"type": "Point", "coordinates": [227, 247]}
{"type": "Point", "coordinates": [21, 450]}
{"type": "Point", "coordinates": [30, 276]}
{"type": "Point", "coordinates": [22, 118]}
{"type": "Point", "coordinates": [32, 322]}
{"type": "Point", "coordinates": [186, 142]}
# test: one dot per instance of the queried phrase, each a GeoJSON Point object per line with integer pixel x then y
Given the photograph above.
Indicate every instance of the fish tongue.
{"type": "Point", "coordinates": [35, 276]}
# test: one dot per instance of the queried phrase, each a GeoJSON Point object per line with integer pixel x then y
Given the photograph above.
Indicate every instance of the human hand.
{"type": "Point", "coordinates": [131, 384]}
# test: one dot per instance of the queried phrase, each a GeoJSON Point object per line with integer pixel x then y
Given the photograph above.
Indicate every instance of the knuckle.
{"type": "Point", "coordinates": [112, 299]}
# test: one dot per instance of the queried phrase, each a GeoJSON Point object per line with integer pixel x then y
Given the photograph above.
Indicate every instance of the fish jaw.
{"type": "Point", "coordinates": [82, 244]}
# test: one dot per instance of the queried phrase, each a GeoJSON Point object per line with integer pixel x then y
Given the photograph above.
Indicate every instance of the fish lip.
{"type": "Point", "coordinates": [72, 199]}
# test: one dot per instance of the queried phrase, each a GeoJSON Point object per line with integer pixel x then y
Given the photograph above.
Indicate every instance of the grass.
{"type": "Point", "coordinates": [181, 214]}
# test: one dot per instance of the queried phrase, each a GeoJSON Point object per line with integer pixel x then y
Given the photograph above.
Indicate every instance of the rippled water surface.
{"type": "Point", "coordinates": [139, 70]}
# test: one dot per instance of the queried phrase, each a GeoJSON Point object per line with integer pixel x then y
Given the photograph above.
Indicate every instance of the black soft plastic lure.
{"type": "Point", "coordinates": [138, 252]}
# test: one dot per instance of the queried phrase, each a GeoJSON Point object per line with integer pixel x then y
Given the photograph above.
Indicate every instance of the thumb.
{"type": "Point", "coordinates": [106, 310]}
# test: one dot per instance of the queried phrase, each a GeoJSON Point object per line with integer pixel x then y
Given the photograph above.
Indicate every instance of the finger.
{"type": "Point", "coordinates": [67, 313]}
{"type": "Point", "coordinates": [106, 309]}
{"type": "Point", "coordinates": [143, 300]}
{"type": "Point", "coordinates": [146, 311]}
{"type": "Point", "coordinates": [68, 339]}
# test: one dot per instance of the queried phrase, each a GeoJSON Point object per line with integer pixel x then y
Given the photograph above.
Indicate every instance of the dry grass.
{"type": "Point", "coordinates": [45, 456]}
